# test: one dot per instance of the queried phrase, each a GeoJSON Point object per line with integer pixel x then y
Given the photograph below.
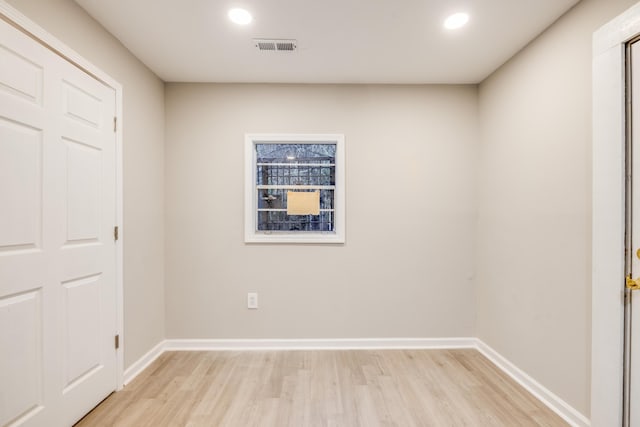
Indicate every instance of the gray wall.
{"type": "Point", "coordinates": [143, 164]}
{"type": "Point", "coordinates": [406, 267]}
{"type": "Point", "coordinates": [534, 210]}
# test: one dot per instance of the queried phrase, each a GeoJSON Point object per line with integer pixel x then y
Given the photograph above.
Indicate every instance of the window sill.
{"type": "Point", "coordinates": [313, 238]}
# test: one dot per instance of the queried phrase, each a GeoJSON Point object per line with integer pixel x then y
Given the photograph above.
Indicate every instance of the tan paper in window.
{"type": "Point", "coordinates": [303, 202]}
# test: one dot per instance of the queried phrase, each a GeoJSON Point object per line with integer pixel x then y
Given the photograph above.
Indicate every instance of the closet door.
{"type": "Point", "coordinates": [57, 250]}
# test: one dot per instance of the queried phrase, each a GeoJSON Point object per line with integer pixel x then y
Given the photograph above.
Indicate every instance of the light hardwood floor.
{"type": "Point", "coordinates": [322, 388]}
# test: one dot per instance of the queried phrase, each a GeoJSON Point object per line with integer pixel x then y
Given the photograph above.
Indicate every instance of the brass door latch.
{"type": "Point", "coordinates": [632, 284]}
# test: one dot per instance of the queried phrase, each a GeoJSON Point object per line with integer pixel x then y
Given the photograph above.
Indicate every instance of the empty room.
{"type": "Point", "coordinates": [338, 213]}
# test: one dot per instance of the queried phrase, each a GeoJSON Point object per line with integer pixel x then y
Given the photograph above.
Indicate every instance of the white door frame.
{"type": "Point", "coordinates": [608, 271]}
{"type": "Point", "coordinates": [24, 24]}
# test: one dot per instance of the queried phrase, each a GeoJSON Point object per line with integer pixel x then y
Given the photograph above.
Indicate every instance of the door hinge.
{"type": "Point", "coordinates": [115, 233]}
{"type": "Point", "coordinates": [115, 124]}
{"type": "Point", "coordinates": [117, 341]}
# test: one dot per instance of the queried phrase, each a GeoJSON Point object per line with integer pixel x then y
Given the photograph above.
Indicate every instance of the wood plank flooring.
{"type": "Point", "coordinates": [322, 388]}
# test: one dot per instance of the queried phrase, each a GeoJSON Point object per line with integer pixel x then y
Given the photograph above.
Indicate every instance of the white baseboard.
{"type": "Point", "coordinates": [319, 344]}
{"type": "Point", "coordinates": [292, 344]}
{"type": "Point", "coordinates": [553, 402]}
{"type": "Point", "coordinates": [141, 364]}
{"type": "Point", "coordinates": [559, 406]}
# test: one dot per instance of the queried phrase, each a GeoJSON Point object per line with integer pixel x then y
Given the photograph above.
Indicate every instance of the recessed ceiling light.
{"type": "Point", "coordinates": [240, 16]}
{"type": "Point", "coordinates": [455, 21]}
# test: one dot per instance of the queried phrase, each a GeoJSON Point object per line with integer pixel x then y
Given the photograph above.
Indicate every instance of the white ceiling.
{"type": "Point", "coordinates": [339, 41]}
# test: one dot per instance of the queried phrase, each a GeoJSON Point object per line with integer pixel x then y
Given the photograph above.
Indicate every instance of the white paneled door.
{"type": "Point", "coordinates": [57, 250]}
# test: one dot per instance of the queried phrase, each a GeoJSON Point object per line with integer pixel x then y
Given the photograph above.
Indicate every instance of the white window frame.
{"type": "Point", "coordinates": [251, 235]}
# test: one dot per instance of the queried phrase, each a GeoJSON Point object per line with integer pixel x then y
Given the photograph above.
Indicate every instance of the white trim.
{"type": "Point", "coordinates": [121, 235]}
{"type": "Point", "coordinates": [250, 234]}
{"type": "Point", "coordinates": [619, 30]}
{"type": "Point", "coordinates": [552, 401]}
{"type": "Point", "coordinates": [143, 363]}
{"type": "Point", "coordinates": [293, 344]}
{"type": "Point", "coordinates": [608, 217]}
{"type": "Point", "coordinates": [14, 17]}
{"type": "Point", "coordinates": [41, 35]}
{"type": "Point", "coordinates": [318, 344]}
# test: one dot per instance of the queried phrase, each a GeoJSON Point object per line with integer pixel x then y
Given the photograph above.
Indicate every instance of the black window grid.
{"type": "Point", "coordinates": [275, 177]}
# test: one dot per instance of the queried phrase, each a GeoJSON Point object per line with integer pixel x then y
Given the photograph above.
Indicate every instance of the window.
{"type": "Point", "coordinates": [294, 188]}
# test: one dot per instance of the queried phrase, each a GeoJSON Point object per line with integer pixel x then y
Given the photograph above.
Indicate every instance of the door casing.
{"type": "Point", "coordinates": [608, 227]}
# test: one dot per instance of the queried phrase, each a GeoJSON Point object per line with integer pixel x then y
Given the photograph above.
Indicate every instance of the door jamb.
{"type": "Point", "coordinates": [24, 24]}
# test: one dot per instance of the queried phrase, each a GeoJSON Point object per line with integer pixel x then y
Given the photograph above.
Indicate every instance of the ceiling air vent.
{"type": "Point", "coordinates": [275, 45]}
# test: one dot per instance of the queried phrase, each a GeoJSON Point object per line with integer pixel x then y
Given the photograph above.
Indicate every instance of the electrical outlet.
{"type": "Point", "coordinates": [252, 300]}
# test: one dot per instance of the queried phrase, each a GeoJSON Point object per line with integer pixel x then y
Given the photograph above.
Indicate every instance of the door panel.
{"type": "Point", "coordinates": [83, 192]}
{"type": "Point", "coordinates": [19, 75]}
{"type": "Point", "coordinates": [57, 252]}
{"type": "Point", "coordinates": [21, 368]}
{"type": "Point", "coordinates": [20, 182]}
{"type": "Point", "coordinates": [81, 305]}
{"type": "Point", "coordinates": [82, 106]}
